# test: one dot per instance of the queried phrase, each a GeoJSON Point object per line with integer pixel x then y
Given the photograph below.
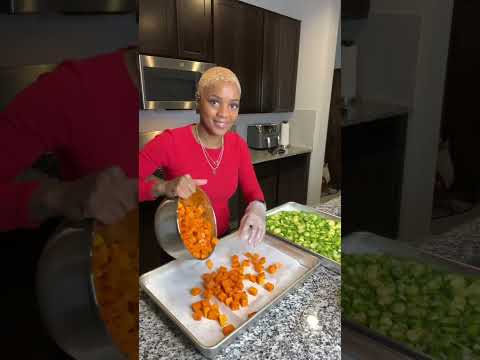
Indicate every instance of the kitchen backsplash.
{"type": "Point", "coordinates": [151, 120]}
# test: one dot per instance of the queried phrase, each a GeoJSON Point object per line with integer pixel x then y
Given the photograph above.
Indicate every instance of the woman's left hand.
{"type": "Point", "coordinates": [252, 225]}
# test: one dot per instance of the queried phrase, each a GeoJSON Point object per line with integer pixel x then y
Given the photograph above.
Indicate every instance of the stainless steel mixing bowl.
{"type": "Point", "coordinates": [167, 229]}
{"type": "Point", "coordinates": [66, 295]}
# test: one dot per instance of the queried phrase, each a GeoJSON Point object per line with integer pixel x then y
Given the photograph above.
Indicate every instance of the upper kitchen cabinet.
{"type": "Point", "coordinates": [238, 44]}
{"type": "Point", "coordinates": [194, 26]}
{"type": "Point", "coordinates": [157, 28]}
{"type": "Point", "coordinates": [355, 9]}
{"type": "Point", "coordinates": [176, 29]}
{"type": "Point", "coordinates": [280, 60]}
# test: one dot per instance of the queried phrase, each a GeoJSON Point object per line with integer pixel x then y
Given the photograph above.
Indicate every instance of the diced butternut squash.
{"type": "Point", "coordinates": [205, 311]}
{"type": "Point", "coordinates": [258, 268]}
{"type": "Point", "coordinates": [228, 329]}
{"type": "Point", "coordinates": [197, 306]}
{"type": "Point", "coordinates": [268, 286]}
{"type": "Point", "coordinates": [272, 269]}
{"type": "Point", "coordinates": [197, 315]}
{"type": "Point", "coordinates": [196, 229]}
{"type": "Point", "coordinates": [253, 291]}
{"type": "Point", "coordinates": [196, 291]}
{"type": "Point", "coordinates": [261, 278]}
{"type": "Point", "coordinates": [212, 314]}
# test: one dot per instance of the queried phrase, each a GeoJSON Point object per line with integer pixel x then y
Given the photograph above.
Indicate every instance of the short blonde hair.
{"type": "Point", "coordinates": [214, 74]}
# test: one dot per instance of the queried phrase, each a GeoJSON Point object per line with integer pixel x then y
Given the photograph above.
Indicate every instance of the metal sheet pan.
{"type": "Point", "coordinates": [157, 284]}
{"type": "Point", "coordinates": [293, 206]}
{"type": "Point", "coordinates": [368, 243]}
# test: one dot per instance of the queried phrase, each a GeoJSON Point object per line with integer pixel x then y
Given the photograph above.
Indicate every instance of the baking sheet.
{"type": "Point", "coordinates": [293, 206]}
{"type": "Point", "coordinates": [368, 243]}
{"type": "Point", "coordinates": [170, 285]}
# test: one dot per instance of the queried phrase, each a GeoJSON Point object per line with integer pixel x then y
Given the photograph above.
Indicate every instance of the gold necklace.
{"type": "Point", "coordinates": [210, 161]}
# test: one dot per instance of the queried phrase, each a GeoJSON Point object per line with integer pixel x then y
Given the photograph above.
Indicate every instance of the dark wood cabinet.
{"type": "Point", "coordinates": [176, 28]}
{"type": "Point", "coordinates": [157, 28]}
{"type": "Point", "coordinates": [267, 175]}
{"type": "Point", "coordinates": [373, 155]}
{"type": "Point", "coordinates": [355, 9]}
{"type": "Point", "coordinates": [260, 46]}
{"type": "Point", "coordinates": [293, 183]}
{"type": "Point", "coordinates": [281, 180]}
{"type": "Point", "coordinates": [194, 26]}
{"type": "Point", "coordinates": [280, 62]}
{"type": "Point", "coordinates": [238, 44]}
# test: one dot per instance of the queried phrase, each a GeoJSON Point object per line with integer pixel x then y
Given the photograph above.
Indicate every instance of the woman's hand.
{"type": "Point", "coordinates": [252, 225]}
{"type": "Point", "coordinates": [182, 186]}
{"type": "Point", "coordinates": [106, 197]}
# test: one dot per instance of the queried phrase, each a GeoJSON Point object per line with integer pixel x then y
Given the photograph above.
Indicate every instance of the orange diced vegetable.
{"type": "Point", "coordinates": [228, 329]}
{"type": "Point", "coordinates": [197, 306]}
{"type": "Point", "coordinates": [272, 269]}
{"type": "Point", "coordinates": [213, 314]}
{"type": "Point", "coordinates": [197, 315]}
{"type": "Point", "coordinates": [268, 286]}
{"type": "Point", "coordinates": [253, 291]}
{"type": "Point", "coordinates": [196, 291]}
{"type": "Point", "coordinates": [196, 230]}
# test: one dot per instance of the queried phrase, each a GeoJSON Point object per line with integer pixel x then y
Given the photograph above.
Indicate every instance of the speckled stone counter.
{"type": "Point", "coordinates": [259, 156]}
{"type": "Point", "coordinates": [304, 325]}
{"type": "Point", "coordinates": [333, 206]}
{"type": "Point", "coordinates": [462, 243]}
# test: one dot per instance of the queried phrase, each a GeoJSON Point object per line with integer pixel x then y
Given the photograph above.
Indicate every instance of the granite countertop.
{"type": "Point", "coordinates": [305, 324]}
{"type": "Point", "coordinates": [259, 156]}
{"type": "Point", "coordinates": [364, 110]}
{"type": "Point", "coordinates": [333, 206]}
{"type": "Point", "coordinates": [462, 243]}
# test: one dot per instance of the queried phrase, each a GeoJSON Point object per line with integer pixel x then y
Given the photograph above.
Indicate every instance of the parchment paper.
{"type": "Point", "coordinates": [172, 286]}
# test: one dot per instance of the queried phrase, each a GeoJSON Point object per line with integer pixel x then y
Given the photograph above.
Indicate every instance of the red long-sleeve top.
{"type": "Point", "coordinates": [86, 112]}
{"type": "Point", "coordinates": [178, 153]}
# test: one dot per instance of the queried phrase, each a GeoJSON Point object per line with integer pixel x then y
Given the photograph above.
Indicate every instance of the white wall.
{"type": "Point", "coordinates": [424, 124]}
{"type": "Point", "coordinates": [404, 47]}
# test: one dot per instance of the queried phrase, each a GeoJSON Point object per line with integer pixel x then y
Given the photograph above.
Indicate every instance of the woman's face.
{"type": "Point", "coordinates": [218, 107]}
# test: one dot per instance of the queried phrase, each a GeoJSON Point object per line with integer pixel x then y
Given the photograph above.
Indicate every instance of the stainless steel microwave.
{"type": "Point", "coordinates": [169, 83]}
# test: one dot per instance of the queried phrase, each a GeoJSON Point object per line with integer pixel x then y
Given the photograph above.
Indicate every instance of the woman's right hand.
{"type": "Point", "coordinates": [106, 196]}
{"type": "Point", "coordinates": [182, 186]}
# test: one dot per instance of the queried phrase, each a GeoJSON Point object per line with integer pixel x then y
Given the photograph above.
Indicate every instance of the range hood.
{"type": "Point", "coordinates": [68, 6]}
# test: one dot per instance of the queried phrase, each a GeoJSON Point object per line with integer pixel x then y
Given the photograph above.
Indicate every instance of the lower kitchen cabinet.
{"type": "Point", "coordinates": [373, 155]}
{"type": "Point", "coordinates": [281, 180]}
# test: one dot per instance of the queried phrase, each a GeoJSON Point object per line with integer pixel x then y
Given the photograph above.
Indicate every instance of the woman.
{"type": "Point", "coordinates": [207, 155]}
{"type": "Point", "coordinates": [62, 112]}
